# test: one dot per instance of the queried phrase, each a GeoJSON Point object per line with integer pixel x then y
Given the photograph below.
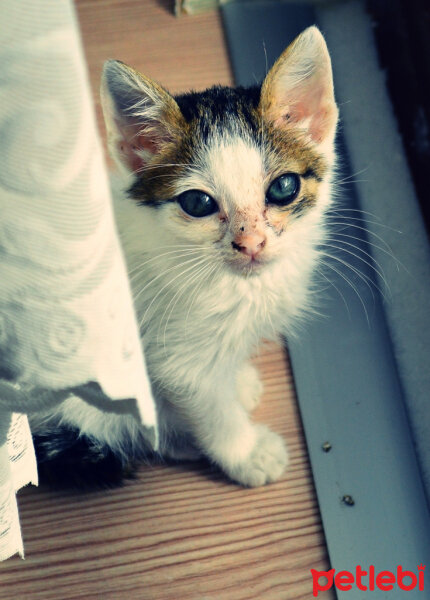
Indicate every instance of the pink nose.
{"type": "Point", "coordinates": [250, 244]}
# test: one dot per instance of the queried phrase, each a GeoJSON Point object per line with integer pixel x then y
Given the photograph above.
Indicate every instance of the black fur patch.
{"type": "Point", "coordinates": [68, 460]}
{"type": "Point", "coordinates": [312, 173]}
{"type": "Point", "coordinates": [217, 105]}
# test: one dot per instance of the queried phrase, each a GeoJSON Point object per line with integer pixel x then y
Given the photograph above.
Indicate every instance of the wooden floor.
{"type": "Point", "coordinates": [178, 532]}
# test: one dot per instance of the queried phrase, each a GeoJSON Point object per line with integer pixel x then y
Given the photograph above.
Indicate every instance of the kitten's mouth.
{"type": "Point", "coordinates": [248, 266]}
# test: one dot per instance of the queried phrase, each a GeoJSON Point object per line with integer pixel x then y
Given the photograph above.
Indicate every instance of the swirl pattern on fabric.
{"type": "Point", "coordinates": [66, 314]}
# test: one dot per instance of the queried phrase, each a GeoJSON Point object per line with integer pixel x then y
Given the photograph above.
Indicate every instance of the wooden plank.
{"type": "Point", "coordinates": [182, 531]}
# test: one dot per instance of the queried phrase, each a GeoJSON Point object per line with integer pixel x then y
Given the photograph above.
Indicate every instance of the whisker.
{"type": "Point", "coordinates": [379, 272]}
{"type": "Point", "coordinates": [347, 218]}
{"type": "Point", "coordinates": [176, 253]}
{"type": "Point", "coordinates": [175, 299]}
{"type": "Point", "coordinates": [339, 210]}
{"type": "Point", "coordinates": [354, 174]}
{"type": "Point", "coordinates": [388, 252]}
{"type": "Point", "coordinates": [216, 267]}
{"type": "Point", "coordinates": [378, 237]}
{"type": "Point", "coordinates": [335, 287]}
{"type": "Point", "coordinates": [349, 282]}
{"type": "Point", "coordinates": [342, 209]}
{"type": "Point", "coordinates": [175, 246]}
{"type": "Point", "coordinates": [350, 182]}
{"type": "Point", "coordinates": [365, 278]}
{"type": "Point", "coordinates": [193, 266]}
{"type": "Point", "coordinates": [160, 176]}
{"type": "Point", "coordinates": [149, 167]}
{"type": "Point", "coordinates": [360, 210]}
{"type": "Point", "coordinates": [190, 260]}
{"type": "Point", "coordinates": [187, 246]}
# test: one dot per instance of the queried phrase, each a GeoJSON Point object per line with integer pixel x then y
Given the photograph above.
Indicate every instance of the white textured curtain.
{"type": "Point", "coordinates": [66, 316]}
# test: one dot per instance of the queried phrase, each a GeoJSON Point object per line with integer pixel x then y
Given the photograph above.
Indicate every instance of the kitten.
{"type": "Point", "coordinates": [221, 210]}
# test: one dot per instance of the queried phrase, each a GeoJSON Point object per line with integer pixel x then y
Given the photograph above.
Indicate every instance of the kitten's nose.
{"type": "Point", "coordinates": [250, 244]}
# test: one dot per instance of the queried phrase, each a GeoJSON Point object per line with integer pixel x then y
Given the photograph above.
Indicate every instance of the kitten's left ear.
{"type": "Point", "coordinates": [298, 90]}
{"type": "Point", "coordinates": [140, 116]}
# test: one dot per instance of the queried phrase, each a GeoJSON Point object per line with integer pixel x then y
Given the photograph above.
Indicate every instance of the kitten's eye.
{"type": "Point", "coordinates": [283, 190]}
{"type": "Point", "coordinates": [197, 204]}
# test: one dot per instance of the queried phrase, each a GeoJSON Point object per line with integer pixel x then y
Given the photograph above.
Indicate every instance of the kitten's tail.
{"type": "Point", "coordinates": [68, 459]}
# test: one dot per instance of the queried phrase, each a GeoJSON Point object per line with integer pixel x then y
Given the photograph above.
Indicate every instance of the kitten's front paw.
{"type": "Point", "coordinates": [266, 462]}
{"type": "Point", "coordinates": [249, 387]}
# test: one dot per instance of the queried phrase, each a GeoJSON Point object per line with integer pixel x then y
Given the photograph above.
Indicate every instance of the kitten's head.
{"type": "Point", "coordinates": [242, 172]}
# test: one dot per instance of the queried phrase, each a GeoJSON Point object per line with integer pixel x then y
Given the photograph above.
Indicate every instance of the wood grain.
{"type": "Point", "coordinates": [182, 531]}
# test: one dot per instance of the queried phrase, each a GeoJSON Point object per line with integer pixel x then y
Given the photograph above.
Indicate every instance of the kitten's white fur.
{"type": "Point", "coordinates": [199, 365]}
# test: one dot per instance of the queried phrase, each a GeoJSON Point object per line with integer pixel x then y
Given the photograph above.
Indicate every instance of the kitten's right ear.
{"type": "Point", "coordinates": [140, 115]}
{"type": "Point", "coordinates": [298, 90]}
